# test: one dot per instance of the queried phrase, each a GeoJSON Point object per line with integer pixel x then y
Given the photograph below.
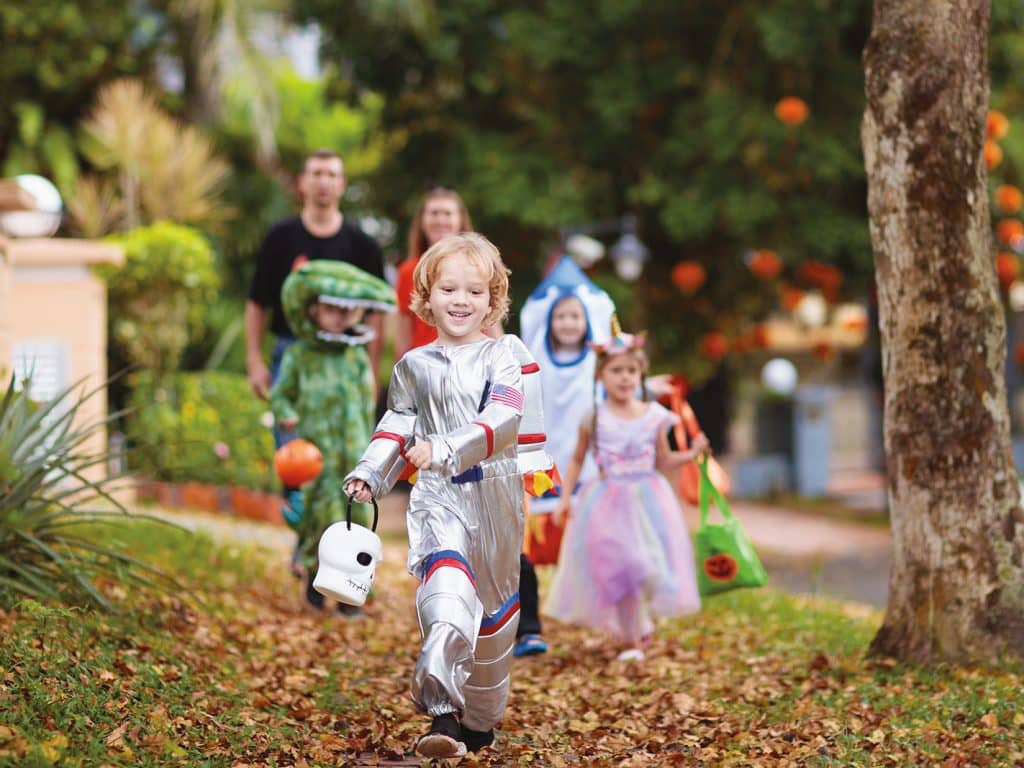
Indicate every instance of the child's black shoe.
{"type": "Point", "coordinates": [444, 739]}
{"type": "Point", "coordinates": [313, 598]}
{"type": "Point", "coordinates": [476, 740]}
{"type": "Point", "coordinates": [350, 611]}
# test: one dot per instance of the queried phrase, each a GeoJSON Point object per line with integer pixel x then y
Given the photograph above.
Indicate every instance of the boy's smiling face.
{"type": "Point", "coordinates": [460, 300]}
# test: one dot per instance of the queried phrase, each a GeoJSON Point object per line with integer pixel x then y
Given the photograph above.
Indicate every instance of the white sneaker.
{"type": "Point", "coordinates": [631, 654]}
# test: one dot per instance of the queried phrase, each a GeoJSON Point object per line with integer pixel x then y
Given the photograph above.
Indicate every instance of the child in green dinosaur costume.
{"type": "Point", "coordinates": [325, 391]}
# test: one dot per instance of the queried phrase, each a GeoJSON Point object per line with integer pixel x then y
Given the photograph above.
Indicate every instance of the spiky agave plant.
{"type": "Point", "coordinates": [50, 510]}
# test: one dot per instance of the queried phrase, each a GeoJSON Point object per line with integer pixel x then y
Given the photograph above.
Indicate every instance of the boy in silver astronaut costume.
{"type": "Point", "coordinates": [465, 521]}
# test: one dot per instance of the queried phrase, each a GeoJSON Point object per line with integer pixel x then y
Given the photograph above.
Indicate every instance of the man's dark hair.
{"type": "Point", "coordinates": [322, 154]}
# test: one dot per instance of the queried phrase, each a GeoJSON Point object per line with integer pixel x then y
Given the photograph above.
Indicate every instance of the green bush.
{"type": "Point", "coordinates": [158, 297]}
{"type": "Point", "coordinates": [205, 427]}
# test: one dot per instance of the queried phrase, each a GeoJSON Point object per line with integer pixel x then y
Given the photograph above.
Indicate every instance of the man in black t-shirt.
{"type": "Point", "coordinates": [320, 231]}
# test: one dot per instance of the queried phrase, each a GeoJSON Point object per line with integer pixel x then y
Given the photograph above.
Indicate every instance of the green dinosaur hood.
{"type": "Point", "coordinates": [333, 282]}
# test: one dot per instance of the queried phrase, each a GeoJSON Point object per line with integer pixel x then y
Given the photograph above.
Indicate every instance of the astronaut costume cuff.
{"type": "Point", "coordinates": [381, 464]}
{"type": "Point", "coordinates": [461, 448]}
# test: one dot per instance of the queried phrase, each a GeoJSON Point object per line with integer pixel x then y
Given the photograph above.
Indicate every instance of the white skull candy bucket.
{"type": "Point", "coordinates": [348, 555]}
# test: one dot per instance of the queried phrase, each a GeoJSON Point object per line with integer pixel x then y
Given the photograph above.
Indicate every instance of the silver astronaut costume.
{"type": "Point", "coordinates": [465, 516]}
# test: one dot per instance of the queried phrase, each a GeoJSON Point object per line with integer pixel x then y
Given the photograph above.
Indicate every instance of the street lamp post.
{"type": "Point", "coordinates": [629, 253]}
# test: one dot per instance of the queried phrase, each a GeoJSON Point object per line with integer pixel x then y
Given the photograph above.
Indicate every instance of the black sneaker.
{"type": "Point", "coordinates": [350, 611]}
{"type": "Point", "coordinates": [476, 740]}
{"type": "Point", "coordinates": [444, 739]}
{"type": "Point", "coordinates": [313, 598]}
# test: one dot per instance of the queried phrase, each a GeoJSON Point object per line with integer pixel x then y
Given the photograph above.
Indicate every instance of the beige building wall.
{"type": "Point", "coordinates": [53, 309]}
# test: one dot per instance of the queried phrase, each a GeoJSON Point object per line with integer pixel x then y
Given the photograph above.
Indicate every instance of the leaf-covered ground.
{"type": "Point", "coordinates": [241, 675]}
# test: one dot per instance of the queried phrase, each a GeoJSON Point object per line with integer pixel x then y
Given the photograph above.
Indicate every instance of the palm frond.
{"type": "Point", "coordinates": [51, 505]}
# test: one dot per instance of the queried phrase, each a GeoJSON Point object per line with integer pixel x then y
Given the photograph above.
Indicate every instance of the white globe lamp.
{"type": "Point", "coordinates": [42, 222]}
{"type": "Point", "coordinates": [779, 376]}
{"type": "Point", "coordinates": [584, 250]}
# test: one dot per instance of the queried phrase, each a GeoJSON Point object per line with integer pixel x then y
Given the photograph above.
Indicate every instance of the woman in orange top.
{"type": "Point", "coordinates": [440, 213]}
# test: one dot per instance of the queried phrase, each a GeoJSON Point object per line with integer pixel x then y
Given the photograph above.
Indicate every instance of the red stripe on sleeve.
{"type": "Point", "coordinates": [390, 436]}
{"type": "Point", "coordinates": [490, 436]}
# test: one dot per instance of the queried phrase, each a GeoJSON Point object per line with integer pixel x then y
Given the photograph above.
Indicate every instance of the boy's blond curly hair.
{"type": "Point", "coordinates": [478, 250]}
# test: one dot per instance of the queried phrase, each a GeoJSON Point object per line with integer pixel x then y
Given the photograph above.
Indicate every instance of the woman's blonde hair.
{"type": "Point", "coordinates": [479, 251]}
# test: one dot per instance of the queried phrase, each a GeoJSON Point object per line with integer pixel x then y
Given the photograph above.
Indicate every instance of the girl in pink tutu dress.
{"type": "Point", "coordinates": [626, 553]}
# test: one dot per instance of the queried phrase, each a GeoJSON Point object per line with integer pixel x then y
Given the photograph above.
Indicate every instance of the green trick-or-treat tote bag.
{"type": "Point", "coordinates": [725, 557]}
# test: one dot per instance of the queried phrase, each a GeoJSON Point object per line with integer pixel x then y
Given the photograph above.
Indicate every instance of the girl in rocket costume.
{"type": "Point", "coordinates": [455, 410]}
{"type": "Point", "coordinates": [567, 378]}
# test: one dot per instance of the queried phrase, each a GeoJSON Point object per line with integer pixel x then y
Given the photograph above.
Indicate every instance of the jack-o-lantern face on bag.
{"type": "Point", "coordinates": [721, 567]}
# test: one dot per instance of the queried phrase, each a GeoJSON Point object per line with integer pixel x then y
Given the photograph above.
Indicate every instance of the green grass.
{"type": "Point", "coordinates": [236, 673]}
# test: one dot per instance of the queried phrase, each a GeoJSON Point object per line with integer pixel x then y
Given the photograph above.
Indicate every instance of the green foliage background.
{"type": "Point", "coordinates": [549, 115]}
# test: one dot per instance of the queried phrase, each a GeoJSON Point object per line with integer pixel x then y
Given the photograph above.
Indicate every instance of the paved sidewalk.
{"type": "Point", "coordinates": [803, 552]}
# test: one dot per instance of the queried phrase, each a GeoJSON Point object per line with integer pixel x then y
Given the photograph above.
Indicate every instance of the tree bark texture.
{"type": "Point", "coordinates": [956, 590]}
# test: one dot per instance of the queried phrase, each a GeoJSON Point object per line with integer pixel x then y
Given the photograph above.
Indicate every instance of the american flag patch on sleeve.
{"type": "Point", "coordinates": [505, 395]}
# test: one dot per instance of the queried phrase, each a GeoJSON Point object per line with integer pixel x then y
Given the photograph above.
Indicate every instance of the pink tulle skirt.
{"type": "Point", "coordinates": [626, 554]}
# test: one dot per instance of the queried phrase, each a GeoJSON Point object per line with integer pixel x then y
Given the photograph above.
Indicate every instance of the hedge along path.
{"type": "Point", "coordinates": [250, 678]}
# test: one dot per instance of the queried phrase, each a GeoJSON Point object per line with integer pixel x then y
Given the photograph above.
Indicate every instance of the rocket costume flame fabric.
{"type": "Point", "coordinates": [567, 384]}
{"type": "Point", "coordinates": [326, 384]}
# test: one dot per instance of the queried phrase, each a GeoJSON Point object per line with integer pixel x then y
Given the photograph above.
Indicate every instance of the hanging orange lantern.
{"type": "Point", "coordinates": [824, 351]}
{"type": "Point", "coordinates": [993, 154]}
{"type": "Point", "coordinates": [790, 298]}
{"type": "Point", "coordinates": [791, 110]}
{"type": "Point", "coordinates": [997, 125]}
{"type": "Point", "coordinates": [856, 323]}
{"type": "Point", "coordinates": [759, 336]}
{"type": "Point", "coordinates": [764, 264]}
{"type": "Point", "coordinates": [688, 276]}
{"type": "Point", "coordinates": [1008, 198]}
{"type": "Point", "coordinates": [1007, 267]}
{"type": "Point", "coordinates": [1010, 232]}
{"type": "Point", "coordinates": [714, 345]}
{"type": "Point", "coordinates": [824, 277]}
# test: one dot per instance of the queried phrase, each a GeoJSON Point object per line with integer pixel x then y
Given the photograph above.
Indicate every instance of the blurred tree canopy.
{"type": "Point", "coordinates": [554, 114]}
{"type": "Point", "coordinates": [54, 56]}
{"type": "Point", "coordinates": [544, 115]}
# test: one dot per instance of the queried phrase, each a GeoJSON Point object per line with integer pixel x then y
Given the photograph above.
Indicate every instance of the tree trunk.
{"type": "Point", "coordinates": [956, 590]}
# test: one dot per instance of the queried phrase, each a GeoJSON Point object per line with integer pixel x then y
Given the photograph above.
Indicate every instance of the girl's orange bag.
{"type": "Point", "coordinates": [689, 473]}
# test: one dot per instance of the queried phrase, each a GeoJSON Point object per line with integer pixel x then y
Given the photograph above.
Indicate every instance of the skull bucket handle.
{"type": "Point", "coordinates": [348, 513]}
{"type": "Point", "coordinates": [348, 555]}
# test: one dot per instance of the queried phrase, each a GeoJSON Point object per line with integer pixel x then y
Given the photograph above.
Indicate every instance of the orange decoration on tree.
{"type": "Point", "coordinates": [688, 276]}
{"type": "Point", "coordinates": [764, 264]}
{"type": "Point", "coordinates": [714, 345]}
{"type": "Point", "coordinates": [791, 110]}
{"type": "Point", "coordinates": [790, 298]}
{"type": "Point", "coordinates": [297, 462]}
{"type": "Point", "coordinates": [996, 125]}
{"type": "Point", "coordinates": [1008, 198]}
{"type": "Point", "coordinates": [1018, 354]}
{"type": "Point", "coordinates": [856, 324]}
{"type": "Point", "coordinates": [1007, 267]}
{"type": "Point", "coordinates": [823, 351]}
{"type": "Point", "coordinates": [759, 336]}
{"type": "Point", "coordinates": [993, 154]}
{"type": "Point", "coordinates": [824, 277]}
{"type": "Point", "coordinates": [1010, 231]}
